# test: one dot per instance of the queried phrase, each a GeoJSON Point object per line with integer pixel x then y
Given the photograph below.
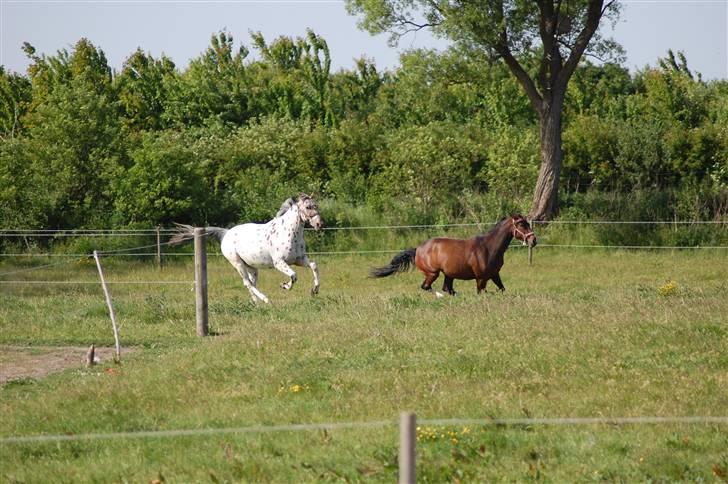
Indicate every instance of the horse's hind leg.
{"type": "Point", "coordinates": [252, 274]}
{"type": "Point", "coordinates": [447, 285]}
{"type": "Point", "coordinates": [249, 275]}
{"type": "Point", "coordinates": [430, 277]}
{"type": "Point", "coordinates": [480, 284]}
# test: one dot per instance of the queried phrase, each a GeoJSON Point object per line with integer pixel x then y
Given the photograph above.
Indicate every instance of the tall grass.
{"type": "Point", "coordinates": [578, 334]}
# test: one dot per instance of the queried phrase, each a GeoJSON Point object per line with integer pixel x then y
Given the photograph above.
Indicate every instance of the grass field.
{"type": "Point", "coordinates": [578, 334]}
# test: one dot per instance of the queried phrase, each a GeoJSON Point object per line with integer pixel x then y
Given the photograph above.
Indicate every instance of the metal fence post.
{"type": "Point", "coordinates": [407, 440]}
{"type": "Point", "coordinates": [201, 282]}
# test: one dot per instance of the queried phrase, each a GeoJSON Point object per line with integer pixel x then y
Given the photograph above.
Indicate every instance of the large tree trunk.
{"type": "Point", "coordinates": [545, 197]}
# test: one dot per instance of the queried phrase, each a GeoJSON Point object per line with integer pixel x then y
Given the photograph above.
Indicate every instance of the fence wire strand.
{"type": "Point", "coordinates": [96, 282]}
{"type": "Point", "coordinates": [29, 269]}
{"type": "Point", "coordinates": [170, 231]}
{"type": "Point", "coordinates": [612, 421]}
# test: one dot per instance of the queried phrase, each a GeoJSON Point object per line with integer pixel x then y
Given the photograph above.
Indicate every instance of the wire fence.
{"type": "Point", "coordinates": [169, 231]}
{"type": "Point", "coordinates": [134, 251]}
{"type": "Point", "coordinates": [10, 233]}
{"type": "Point", "coordinates": [364, 252]}
{"type": "Point", "coordinates": [307, 427]}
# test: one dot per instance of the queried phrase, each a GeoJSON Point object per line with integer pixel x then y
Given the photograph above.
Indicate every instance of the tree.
{"type": "Point", "coordinates": [164, 185]}
{"type": "Point", "coordinates": [74, 135]}
{"type": "Point", "coordinates": [296, 77]}
{"type": "Point", "coordinates": [510, 30]}
{"type": "Point", "coordinates": [215, 85]}
{"type": "Point", "coordinates": [15, 96]}
{"type": "Point", "coordinates": [142, 90]}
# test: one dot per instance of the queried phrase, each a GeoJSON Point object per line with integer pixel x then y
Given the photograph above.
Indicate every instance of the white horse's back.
{"type": "Point", "coordinates": [247, 242]}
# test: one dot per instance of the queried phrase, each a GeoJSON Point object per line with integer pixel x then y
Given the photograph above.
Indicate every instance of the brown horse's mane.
{"type": "Point", "coordinates": [497, 226]}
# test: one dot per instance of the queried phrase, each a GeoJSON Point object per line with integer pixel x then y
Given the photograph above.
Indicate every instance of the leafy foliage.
{"type": "Point", "coordinates": [445, 135]}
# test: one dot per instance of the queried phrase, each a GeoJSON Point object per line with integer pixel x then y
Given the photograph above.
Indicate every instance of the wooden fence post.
{"type": "Point", "coordinates": [530, 249]}
{"type": "Point", "coordinates": [159, 249]}
{"type": "Point", "coordinates": [111, 308]}
{"type": "Point", "coordinates": [407, 440]}
{"type": "Point", "coordinates": [201, 282]}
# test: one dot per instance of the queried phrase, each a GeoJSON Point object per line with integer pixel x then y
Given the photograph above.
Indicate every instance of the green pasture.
{"type": "Point", "coordinates": [577, 334]}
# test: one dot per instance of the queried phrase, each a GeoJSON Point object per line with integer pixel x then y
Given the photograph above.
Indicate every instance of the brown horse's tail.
{"type": "Point", "coordinates": [400, 263]}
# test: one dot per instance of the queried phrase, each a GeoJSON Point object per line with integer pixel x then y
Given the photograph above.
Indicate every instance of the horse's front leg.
{"type": "Point", "coordinates": [497, 281]}
{"type": "Point", "coordinates": [314, 268]}
{"type": "Point", "coordinates": [283, 267]}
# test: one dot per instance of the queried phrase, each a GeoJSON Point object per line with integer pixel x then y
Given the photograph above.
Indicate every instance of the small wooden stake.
{"type": "Point", "coordinates": [117, 358]}
{"type": "Point", "coordinates": [407, 439]}
{"type": "Point", "coordinates": [90, 356]}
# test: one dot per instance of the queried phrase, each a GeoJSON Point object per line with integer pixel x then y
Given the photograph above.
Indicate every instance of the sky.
{"type": "Point", "coordinates": [181, 30]}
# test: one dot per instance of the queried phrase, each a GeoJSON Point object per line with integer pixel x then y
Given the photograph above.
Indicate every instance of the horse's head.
{"type": "Point", "coordinates": [309, 211]}
{"type": "Point", "coordinates": [522, 231]}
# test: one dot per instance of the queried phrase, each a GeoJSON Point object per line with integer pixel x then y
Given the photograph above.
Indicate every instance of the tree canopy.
{"type": "Point", "coordinates": [540, 42]}
{"type": "Point", "coordinates": [243, 127]}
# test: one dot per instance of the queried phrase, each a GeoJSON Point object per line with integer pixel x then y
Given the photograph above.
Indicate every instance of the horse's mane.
{"type": "Point", "coordinates": [500, 222]}
{"type": "Point", "coordinates": [290, 202]}
{"type": "Point", "coordinates": [287, 204]}
{"type": "Point", "coordinates": [496, 226]}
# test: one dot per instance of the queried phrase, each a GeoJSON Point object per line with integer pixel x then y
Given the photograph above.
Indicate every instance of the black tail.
{"type": "Point", "coordinates": [400, 263]}
{"type": "Point", "coordinates": [187, 232]}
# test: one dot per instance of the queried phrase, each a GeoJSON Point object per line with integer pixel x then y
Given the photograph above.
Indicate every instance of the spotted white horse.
{"type": "Point", "coordinates": [278, 243]}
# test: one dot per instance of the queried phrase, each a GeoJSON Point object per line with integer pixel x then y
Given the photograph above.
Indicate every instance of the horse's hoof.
{"type": "Point", "coordinates": [314, 291]}
{"type": "Point", "coordinates": [286, 285]}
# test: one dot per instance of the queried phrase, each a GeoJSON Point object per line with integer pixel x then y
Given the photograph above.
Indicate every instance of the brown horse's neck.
{"type": "Point", "coordinates": [505, 235]}
{"type": "Point", "coordinates": [498, 238]}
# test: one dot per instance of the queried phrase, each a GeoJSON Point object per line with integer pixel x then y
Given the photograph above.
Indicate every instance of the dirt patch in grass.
{"type": "Point", "coordinates": [18, 362]}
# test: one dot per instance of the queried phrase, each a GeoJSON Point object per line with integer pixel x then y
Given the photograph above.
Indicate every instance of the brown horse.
{"type": "Point", "coordinates": [479, 257]}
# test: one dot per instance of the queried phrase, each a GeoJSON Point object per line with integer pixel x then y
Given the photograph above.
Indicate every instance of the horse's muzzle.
{"type": "Point", "coordinates": [531, 241]}
{"type": "Point", "coordinates": [317, 224]}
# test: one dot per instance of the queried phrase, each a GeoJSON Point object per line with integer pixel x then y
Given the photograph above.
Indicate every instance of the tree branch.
{"type": "Point", "coordinates": [594, 15]}
{"type": "Point", "coordinates": [407, 26]}
{"type": "Point", "coordinates": [520, 74]}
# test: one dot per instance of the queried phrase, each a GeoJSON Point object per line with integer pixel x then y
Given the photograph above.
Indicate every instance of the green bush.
{"type": "Point", "coordinates": [423, 170]}
{"type": "Point", "coordinates": [163, 185]}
